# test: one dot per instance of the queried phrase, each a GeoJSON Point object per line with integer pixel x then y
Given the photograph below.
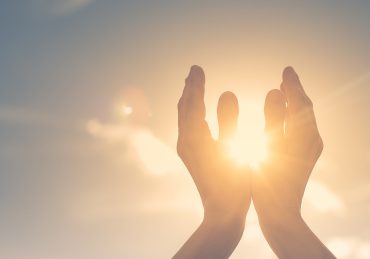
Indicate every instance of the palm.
{"type": "Point", "coordinates": [279, 187]}
{"type": "Point", "coordinates": [222, 186]}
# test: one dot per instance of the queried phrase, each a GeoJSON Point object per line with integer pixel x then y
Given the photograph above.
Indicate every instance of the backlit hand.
{"type": "Point", "coordinates": [277, 188]}
{"type": "Point", "coordinates": [295, 145]}
{"type": "Point", "coordinates": [224, 187]}
{"type": "Point", "coordinates": [280, 185]}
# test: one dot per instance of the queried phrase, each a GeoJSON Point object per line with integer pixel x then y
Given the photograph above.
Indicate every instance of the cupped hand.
{"type": "Point", "coordinates": [224, 187]}
{"type": "Point", "coordinates": [277, 189]}
{"type": "Point", "coordinates": [294, 147]}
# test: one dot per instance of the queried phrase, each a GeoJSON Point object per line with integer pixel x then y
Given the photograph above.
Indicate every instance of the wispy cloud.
{"type": "Point", "coordinates": [329, 202]}
{"type": "Point", "coordinates": [349, 247]}
{"type": "Point", "coordinates": [156, 156]}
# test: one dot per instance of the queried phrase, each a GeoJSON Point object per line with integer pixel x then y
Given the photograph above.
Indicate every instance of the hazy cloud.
{"type": "Point", "coordinates": [148, 149]}
{"type": "Point", "coordinates": [328, 200]}
{"type": "Point", "coordinates": [349, 247]}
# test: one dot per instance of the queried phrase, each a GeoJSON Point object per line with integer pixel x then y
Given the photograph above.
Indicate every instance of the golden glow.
{"type": "Point", "coordinates": [248, 150]}
{"type": "Point", "coordinates": [156, 156]}
{"type": "Point", "coordinates": [127, 110]}
{"type": "Point", "coordinates": [249, 144]}
{"type": "Point", "coordinates": [329, 201]}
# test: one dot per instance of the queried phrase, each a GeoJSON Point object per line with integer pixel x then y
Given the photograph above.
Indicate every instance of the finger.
{"type": "Point", "coordinates": [192, 101]}
{"type": "Point", "coordinates": [300, 111]}
{"type": "Point", "coordinates": [293, 90]}
{"type": "Point", "coordinates": [182, 106]}
{"type": "Point", "coordinates": [227, 115]}
{"type": "Point", "coordinates": [304, 139]}
{"type": "Point", "coordinates": [184, 102]}
{"type": "Point", "coordinates": [194, 95]}
{"type": "Point", "coordinates": [180, 115]}
{"type": "Point", "coordinates": [275, 110]}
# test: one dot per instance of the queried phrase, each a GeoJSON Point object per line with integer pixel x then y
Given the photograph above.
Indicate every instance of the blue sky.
{"type": "Point", "coordinates": [77, 179]}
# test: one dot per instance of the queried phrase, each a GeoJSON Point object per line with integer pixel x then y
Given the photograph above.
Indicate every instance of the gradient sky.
{"type": "Point", "coordinates": [81, 177]}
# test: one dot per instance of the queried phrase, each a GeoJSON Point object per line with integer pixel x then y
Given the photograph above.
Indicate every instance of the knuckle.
{"type": "Point", "coordinates": [317, 144]}
{"type": "Point", "coordinates": [183, 147]}
{"type": "Point", "coordinates": [308, 102]}
{"type": "Point", "coordinates": [180, 148]}
{"type": "Point", "coordinates": [320, 144]}
{"type": "Point", "coordinates": [179, 104]}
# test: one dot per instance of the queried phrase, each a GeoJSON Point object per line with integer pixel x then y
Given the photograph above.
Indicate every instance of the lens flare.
{"type": "Point", "coordinates": [247, 149]}
{"type": "Point", "coordinates": [127, 110]}
{"type": "Point", "coordinates": [249, 144]}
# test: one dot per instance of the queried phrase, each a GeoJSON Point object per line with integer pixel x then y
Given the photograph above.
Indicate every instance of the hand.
{"type": "Point", "coordinates": [293, 152]}
{"type": "Point", "coordinates": [223, 187]}
{"type": "Point", "coordinates": [295, 145]}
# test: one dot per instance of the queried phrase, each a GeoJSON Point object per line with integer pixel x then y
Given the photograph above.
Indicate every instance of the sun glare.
{"type": "Point", "coordinates": [248, 150]}
{"type": "Point", "coordinates": [249, 145]}
{"type": "Point", "coordinates": [151, 152]}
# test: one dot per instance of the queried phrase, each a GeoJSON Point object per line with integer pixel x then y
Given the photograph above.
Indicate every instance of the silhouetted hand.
{"type": "Point", "coordinates": [278, 188]}
{"type": "Point", "coordinates": [224, 188]}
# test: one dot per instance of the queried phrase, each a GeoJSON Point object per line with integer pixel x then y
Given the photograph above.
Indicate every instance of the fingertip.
{"type": "Point", "coordinates": [287, 75]}
{"type": "Point", "coordinates": [227, 114]}
{"type": "Point", "coordinates": [228, 103]}
{"type": "Point", "coordinates": [194, 68]}
{"type": "Point", "coordinates": [275, 95]}
{"type": "Point", "coordinates": [228, 97]}
{"type": "Point", "coordinates": [289, 72]}
{"type": "Point", "coordinates": [196, 74]}
{"type": "Point", "coordinates": [275, 103]}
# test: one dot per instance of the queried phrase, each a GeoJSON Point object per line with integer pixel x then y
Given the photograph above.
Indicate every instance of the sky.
{"type": "Point", "coordinates": [88, 118]}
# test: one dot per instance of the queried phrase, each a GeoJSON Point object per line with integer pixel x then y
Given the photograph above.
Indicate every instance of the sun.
{"type": "Point", "coordinates": [249, 144]}
{"type": "Point", "coordinates": [247, 149]}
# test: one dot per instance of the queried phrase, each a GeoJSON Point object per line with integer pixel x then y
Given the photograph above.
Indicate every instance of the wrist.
{"type": "Point", "coordinates": [229, 228]}
{"type": "Point", "coordinates": [216, 237]}
{"type": "Point", "coordinates": [225, 216]}
{"type": "Point", "coordinates": [234, 221]}
{"type": "Point", "coordinates": [282, 225]}
{"type": "Point", "coordinates": [290, 237]}
{"type": "Point", "coordinates": [280, 218]}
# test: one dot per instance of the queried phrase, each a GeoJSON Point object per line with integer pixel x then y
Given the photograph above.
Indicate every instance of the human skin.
{"type": "Point", "coordinates": [224, 188]}
{"type": "Point", "coordinates": [277, 188]}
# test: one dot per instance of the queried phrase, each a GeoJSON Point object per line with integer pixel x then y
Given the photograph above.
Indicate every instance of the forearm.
{"type": "Point", "coordinates": [290, 237]}
{"type": "Point", "coordinates": [215, 238]}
